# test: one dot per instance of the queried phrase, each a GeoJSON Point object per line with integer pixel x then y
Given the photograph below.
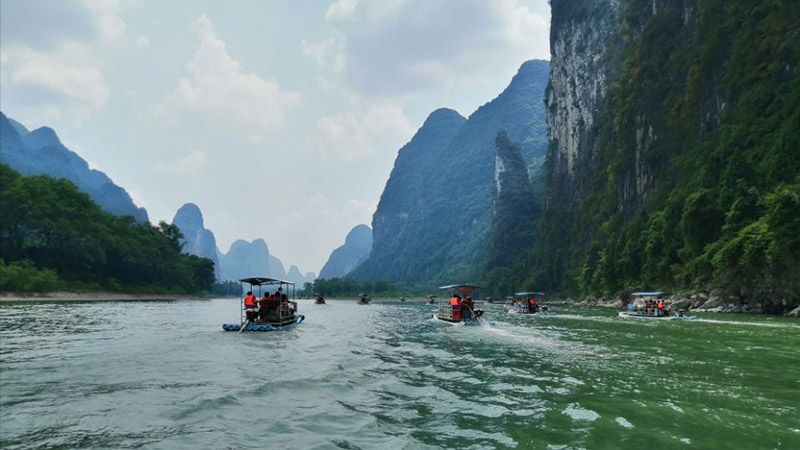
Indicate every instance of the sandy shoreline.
{"type": "Point", "coordinates": [91, 297]}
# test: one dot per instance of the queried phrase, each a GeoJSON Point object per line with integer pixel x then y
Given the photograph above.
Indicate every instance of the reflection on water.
{"type": "Point", "coordinates": [164, 375]}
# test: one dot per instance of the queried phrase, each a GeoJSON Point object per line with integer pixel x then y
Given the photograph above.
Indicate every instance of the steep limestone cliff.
{"type": "Point", "coordinates": [197, 240]}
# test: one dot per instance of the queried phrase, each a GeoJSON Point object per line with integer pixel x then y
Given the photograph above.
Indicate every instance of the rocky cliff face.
{"type": "Point", "coordinates": [433, 219]}
{"type": "Point", "coordinates": [673, 130]}
{"type": "Point", "coordinates": [347, 257]}
{"type": "Point", "coordinates": [41, 152]}
{"type": "Point", "coordinates": [197, 240]}
{"type": "Point", "coordinates": [582, 36]}
{"type": "Point", "coordinates": [514, 211]}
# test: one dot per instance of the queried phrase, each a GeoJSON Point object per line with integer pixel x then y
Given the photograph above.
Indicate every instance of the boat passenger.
{"type": "Point", "coordinates": [455, 304]}
{"type": "Point", "coordinates": [263, 306]}
{"type": "Point", "coordinates": [250, 305]}
{"type": "Point", "coordinates": [286, 305]}
{"type": "Point", "coordinates": [661, 307]}
{"type": "Point", "coordinates": [532, 306]}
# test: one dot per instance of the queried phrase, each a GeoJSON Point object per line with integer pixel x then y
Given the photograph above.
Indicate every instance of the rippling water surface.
{"type": "Point", "coordinates": [165, 375]}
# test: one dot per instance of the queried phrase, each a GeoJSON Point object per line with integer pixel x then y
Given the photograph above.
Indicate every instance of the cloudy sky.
{"type": "Point", "coordinates": [280, 119]}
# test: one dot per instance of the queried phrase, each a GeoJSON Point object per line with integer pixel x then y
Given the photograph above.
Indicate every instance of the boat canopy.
{"type": "Point", "coordinates": [258, 281]}
{"type": "Point", "coordinates": [647, 294]}
{"type": "Point", "coordinates": [462, 288]}
{"type": "Point", "coordinates": [522, 294]}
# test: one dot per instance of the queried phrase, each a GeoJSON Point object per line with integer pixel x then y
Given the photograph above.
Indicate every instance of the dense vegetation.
{"type": "Point", "coordinates": [716, 96]}
{"type": "Point", "coordinates": [52, 236]}
{"type": "Point", "coordinates": [343, 287]}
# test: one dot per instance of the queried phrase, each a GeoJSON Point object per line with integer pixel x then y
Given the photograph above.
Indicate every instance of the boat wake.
{"type": "Point", "coordinates": [751, 324]}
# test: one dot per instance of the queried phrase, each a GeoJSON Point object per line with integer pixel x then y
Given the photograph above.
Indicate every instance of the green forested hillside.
{"type": "Point", "coordinates": [694, 181]}
{"type": "Point", "coordinates": [432, 224]}
{"type": "Point", "coordinates": [52, 236]}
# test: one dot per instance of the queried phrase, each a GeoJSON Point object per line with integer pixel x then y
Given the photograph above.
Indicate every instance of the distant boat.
{"type": "Point", "coordinates": [460, 314]}
{"type": "Point", "coordinates": [364, 300]}
{"type": "Point", "coordinates": [527, 303]}
{"type": "Point", "coordinates": [319, 300]}
{"type": "Point", "coordinates": [268, 313]}
{"type": "Point", "coordinates": [645, 305]}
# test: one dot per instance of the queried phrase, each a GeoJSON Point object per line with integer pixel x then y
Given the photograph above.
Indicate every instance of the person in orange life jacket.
{"type": "Point", "coordinates": [263, 306]}
{"type": "Point", "coordinates": [250, 305]}
{"type": "Point", "coordinates": [455, 303]}
{"type": "Point", "coordinates": [661, 307]}
{"type": "Point", "coordinates": [532, 305]}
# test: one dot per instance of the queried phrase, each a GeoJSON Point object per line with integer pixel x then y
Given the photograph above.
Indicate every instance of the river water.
{"type": "Point", "coordinates": [384, 375]}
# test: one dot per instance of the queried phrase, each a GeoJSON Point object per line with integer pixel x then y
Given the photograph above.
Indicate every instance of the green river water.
{"type": "Point", "coordinates": [386, 376]}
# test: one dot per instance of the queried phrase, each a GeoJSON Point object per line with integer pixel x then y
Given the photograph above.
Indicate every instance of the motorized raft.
{"type": "Point", "coordinates": [271, 311]}
{"type": "Point", "coordinates": [529, 303]}
{"type": "Point", "coordinates": [454, 310]}
{"type": "Point", "coordinates": [363, 299]}
{"type": "Point", "coordinates": [645, 305]}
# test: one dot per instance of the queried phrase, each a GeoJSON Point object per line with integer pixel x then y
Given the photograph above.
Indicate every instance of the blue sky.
{"type": "Point", "coordinates": [281, 120]}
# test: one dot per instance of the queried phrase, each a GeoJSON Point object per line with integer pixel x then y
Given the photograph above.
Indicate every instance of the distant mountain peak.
{"type": "Point", "coordinates": [41, 137]}
{"type": "Point", "coordinates": [442, 115]}
{"type": "Point", "coordinates": [359, 235]}
{"type": "Point", "coordinates": [189, 212]}
{"type": "Point", "coordinates": [355, 250]}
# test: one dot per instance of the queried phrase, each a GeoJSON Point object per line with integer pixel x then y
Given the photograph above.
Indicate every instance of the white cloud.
{"type": "Point", "coordinates": [350, 135]}
{"type": "Point", "coordinates": [389, 48]}
{"type": "Point", "coordinates": [193, 163]}
{"type": "Point", "coordinates": [341, 9]}
{"type": "Point", "coordinates": [108, 21]}
{"type": "Point", "coordinates": [217, 87]}
{"type": "Point", "coordinates": [69, 72]}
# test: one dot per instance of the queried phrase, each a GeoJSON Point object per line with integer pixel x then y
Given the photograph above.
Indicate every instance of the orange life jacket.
{"type": "Point", "coordinates": [455, 301]}
{"type": "Point", "coordinates": [661, 305]}
{"type": "Point", "coordinates": [250, 300]}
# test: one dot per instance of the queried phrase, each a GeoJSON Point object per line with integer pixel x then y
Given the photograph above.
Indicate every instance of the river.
{"type": "Point", "coordinates": [384, 375]}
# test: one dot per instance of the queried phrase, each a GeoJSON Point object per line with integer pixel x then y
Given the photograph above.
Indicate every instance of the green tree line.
{"type": "Point", "coordinates": [52, 236]}
{"type": "Point", "coordinates": [345, 287]}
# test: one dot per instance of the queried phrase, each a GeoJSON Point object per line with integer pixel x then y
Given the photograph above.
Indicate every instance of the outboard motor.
{"type": "Point", "coordinates": [478, 313]}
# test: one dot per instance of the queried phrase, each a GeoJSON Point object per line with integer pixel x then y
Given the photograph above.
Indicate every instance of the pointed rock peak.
{"type": "Point", "coordinates": [189, 213]}
{"type": "Point", "coordinates": [294, 271]}
{"type": "Point", "coordinates": [261, 243]}
{"type": "Point", "coordinates": [359, 235]}
{"type": "Point", "coordinates": [41, 137]}
{"type": "Point", "coordinates": [443, 115]}
{"type": "Point", "coordinates": [533, 67]}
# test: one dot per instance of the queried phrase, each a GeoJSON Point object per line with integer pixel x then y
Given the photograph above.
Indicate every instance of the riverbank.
{"type": "Point", "coordinates": [91, 297]}
{"type": "Point", "coordinates": [712, 302]}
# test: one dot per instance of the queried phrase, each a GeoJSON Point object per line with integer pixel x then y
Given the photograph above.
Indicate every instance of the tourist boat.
{"type": "Point", "coordinates": [319, 300]}
{"type": "Point", "coordinates": [271, 314]}
{"type": "Point", "coordinates": [644, 306]}
{"type": "Point", "coordinates": [523, 303]}
{"type": "Point", "coordinates": [364, 300]}
{"type": "Point", "coordinates": [454, 314]}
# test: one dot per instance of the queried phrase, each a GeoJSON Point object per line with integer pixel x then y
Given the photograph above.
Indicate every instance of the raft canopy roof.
{"type": "Point", "coordinates": [520, 294]}
{"type": "Point", "coordinates": [258, 281]}
{"type": "Point", "coordinates": [647, 294]}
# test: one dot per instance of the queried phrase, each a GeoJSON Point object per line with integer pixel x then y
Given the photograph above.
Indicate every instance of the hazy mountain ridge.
{"type": "Point", "coordinates": [348, 256]}
{"type": "Point", "coordinates": [243, 259]}
{"type": "Point", "coordinates": [41, 152]}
